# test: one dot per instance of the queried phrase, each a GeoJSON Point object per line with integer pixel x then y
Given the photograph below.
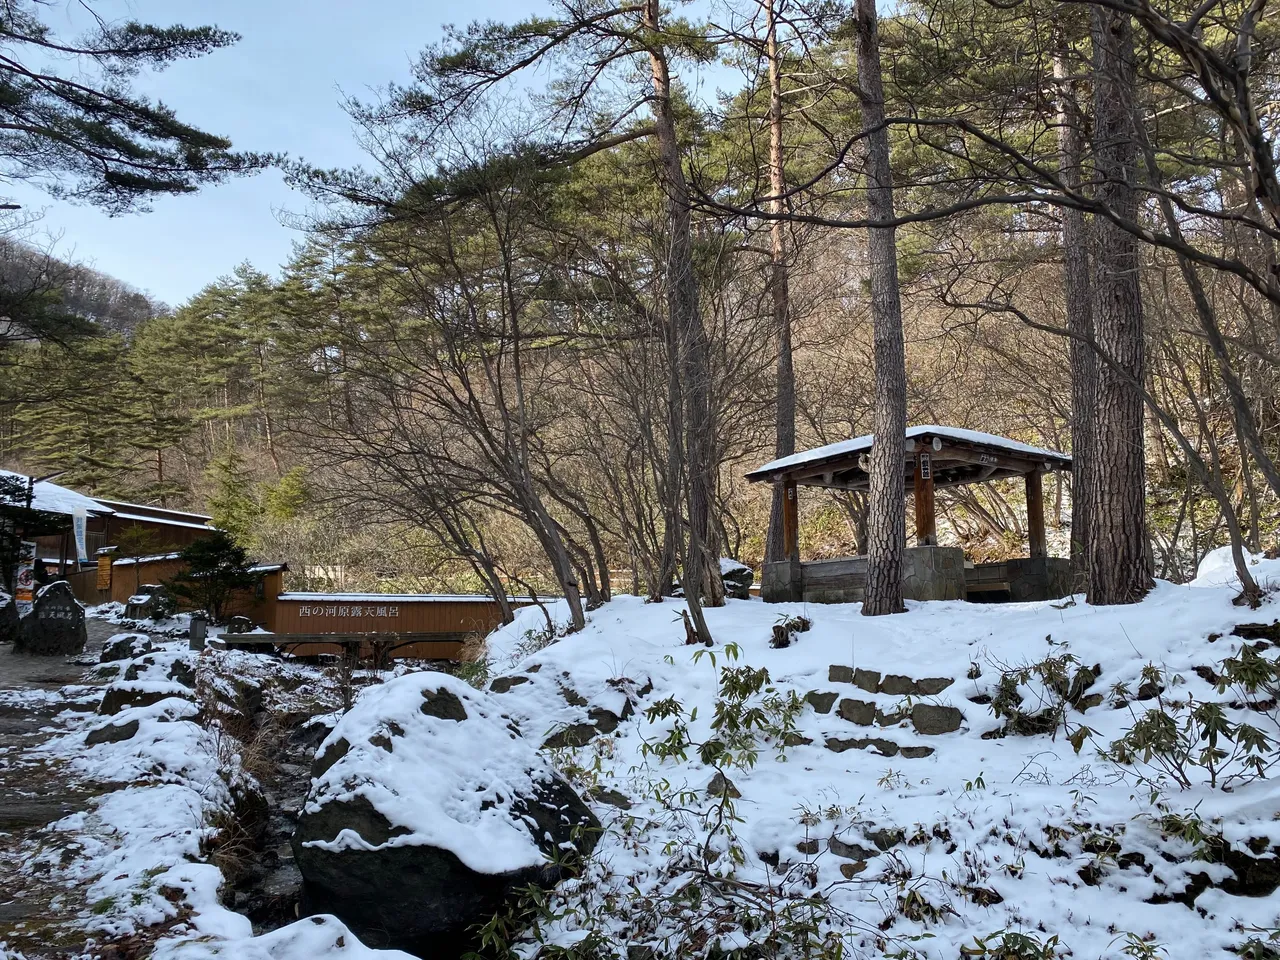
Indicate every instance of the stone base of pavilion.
{"type": "Point", "coordinates": [929, 573]}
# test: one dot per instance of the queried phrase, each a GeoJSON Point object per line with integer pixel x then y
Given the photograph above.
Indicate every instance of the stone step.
{"type": "Point", "coordinates": [879, 745]}
{"type": "Point", "coordinates": [928, 719]}
{"type": "Point", "coordinates": [894, 684]}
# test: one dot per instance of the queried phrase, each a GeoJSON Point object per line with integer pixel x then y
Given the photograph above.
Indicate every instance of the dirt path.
{"type": "Point", "coordinates": [36, 694]}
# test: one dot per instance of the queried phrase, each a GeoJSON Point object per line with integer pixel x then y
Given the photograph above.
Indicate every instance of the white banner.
{"type": "Point", "coordinates": [79, 524]}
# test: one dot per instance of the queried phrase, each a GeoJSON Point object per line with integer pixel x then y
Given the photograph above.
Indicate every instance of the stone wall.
{"type": "Point", "coordinates": [929, 573]}
{"type": "Point", "coordinates": [933, 573]}
{"type": "Point", "coordinates": [1039, 578]}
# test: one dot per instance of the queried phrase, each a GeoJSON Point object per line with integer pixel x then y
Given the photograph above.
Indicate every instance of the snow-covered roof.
{"type": "Point", "coordinates": [397, 597]}
{"type": "Point", "coordinates": [153, 558]}
{"type": "Point", "coordinates": [153, 507]}
{"type": "Point", "coordinates": [55, 499]}
{"type": "Point", "coordinates": [162, 521]}
{"type": "Point", "coordinates": [843, 448]}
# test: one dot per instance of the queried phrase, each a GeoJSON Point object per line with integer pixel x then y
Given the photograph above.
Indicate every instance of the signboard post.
{"type": "Point", "coordinates": [25, 584]}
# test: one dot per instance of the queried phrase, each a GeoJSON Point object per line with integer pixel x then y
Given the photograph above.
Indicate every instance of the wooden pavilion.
{"type": "Point", "coordinates": [936, 456]}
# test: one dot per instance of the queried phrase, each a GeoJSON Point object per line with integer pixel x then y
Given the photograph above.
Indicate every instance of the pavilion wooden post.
{"type": "Point", "coordinates": [790, 521]}
{"type": "Point", "coordinates": [926, 510]}
{"type": "Point", "coordinates": [791, 541]}
{"type": "Point", "coordinates": [1035, 515]}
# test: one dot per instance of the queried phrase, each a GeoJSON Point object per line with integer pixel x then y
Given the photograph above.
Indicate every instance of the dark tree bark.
{"type": "Point", "coordinates": [886, 522]}
{"type": "Point", "coordinates": [1079, 302]}
{"type": "Point", "coordinates": [691, 358]}
{"type": "Point", "coordinates": [785, 417]}
{"type": "Point", "coordinates": [1119, 570]}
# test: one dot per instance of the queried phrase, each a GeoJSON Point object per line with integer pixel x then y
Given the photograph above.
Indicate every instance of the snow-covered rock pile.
{"type": "Point", "coordinates": [426, 809]}
{"type": "Point", "coordinates": [936, 784]}
{"type": "Point", "coordinates": [140, 845]}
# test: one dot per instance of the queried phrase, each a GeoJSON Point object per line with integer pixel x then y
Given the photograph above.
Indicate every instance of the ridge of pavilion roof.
{"type": "Point", "coordinates": [958, 456]}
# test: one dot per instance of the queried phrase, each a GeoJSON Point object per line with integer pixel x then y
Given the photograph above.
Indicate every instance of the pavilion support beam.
{"type": "Point", "coordinates": [790, 521]}
{"type": "Point", "coordinates": [1035, 515]}
{"type": "Point", "coordinates": [926, 509]}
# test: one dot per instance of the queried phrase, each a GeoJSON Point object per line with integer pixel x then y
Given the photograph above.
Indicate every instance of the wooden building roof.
{"type": "Point", "coordinates": [958, 456]}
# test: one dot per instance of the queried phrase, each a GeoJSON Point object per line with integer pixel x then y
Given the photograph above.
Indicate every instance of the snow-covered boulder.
{"type": "Point", "coordinates": [139, 693]}
{"type": "Point", "coordinates": [426, 810]}
{"type": "Point", "coordinates": [125, 646]}
{"type": "Point", "coordinates": [737, 577]}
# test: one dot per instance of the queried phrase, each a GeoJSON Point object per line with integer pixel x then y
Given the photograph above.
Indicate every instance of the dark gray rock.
{"type": "Point", "coordinates": [111, 733]}
{"type": "Point", "coordinates": [886, 748]}
{"type": "Point", "coordinates": [55, 626]}
{"type": "Point", "coordinates": [611, 797]}
{"type": "Point", "coordinates": [738, 579]}
{"type": "Point", "coordinates": [1089, 701]}
{"type": "Point", "coordinates": [503, 684]}
{"type": "Point", "coordinates": [151, 602]}
{"type": "Point", "coordinates": [932, 686]}
{"type": "Point", "coordinates": [839, 674]}
{"type": "Point", "coordinates": [868, 680]}
{"type": "Point", "coordinates": [895, 684]}
{"type": "Point", "coordinates": [571, 696]}
{"type": "Point", "coordinates": [1149, 690]}
{"type": "Point", "coordinates": [119, 696]}
{"type": "Point", "coordinates": [183, 671]}
{"type": "Point", "coordinates": [443, 704]}
{"type": "Point", "coordinates": [573, 735]}
{"type": "Point", "coordinates": [849, 851]}
{"type": "Point", "coordinates": [917, 753]}
{"type": "Point", "coordinates": [886, 837]}
{"type": "Point", "coordinates": [721, 786]}
{"type": "Point", "coordinates": [890, 719]}
{"type": "Point", "coordinates": [932, 720]}
{"type": "Point", "coordinates": [125, 646]}
{"type": "Point", "coordinates": [330, 755]}
{"type": "Point", "coordinates": [822, 702]}
{"type": "Point", "coordinates": [861, 712]}
{"type": "Point", "coordinates": [607, 721]}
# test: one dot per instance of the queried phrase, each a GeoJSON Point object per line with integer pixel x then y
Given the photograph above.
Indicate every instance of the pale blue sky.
{"type": "Point", "coordinates": [277, 90]}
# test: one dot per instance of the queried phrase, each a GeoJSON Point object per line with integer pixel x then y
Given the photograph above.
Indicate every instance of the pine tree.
{"type": "Point", "coordinates": [232, 503]}
{"type": "Point", "coordinates": [887, 517]}
{"type": "Point", "coordinates": [71, 123]}
{"type": "Point", "coordinates": [215, 568]}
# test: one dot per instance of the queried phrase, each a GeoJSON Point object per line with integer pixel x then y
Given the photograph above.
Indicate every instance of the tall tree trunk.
{"type": "Point", "coordinates": [691, 359]}
{"type": "Point", "coordinates": [785, 418]}
{"type": "Point", "coordinates": [1079, 303]}
{"type": "Point", "coordinates": [886, 522]}
{"type": "Point", "coordinates": [1118, 558]}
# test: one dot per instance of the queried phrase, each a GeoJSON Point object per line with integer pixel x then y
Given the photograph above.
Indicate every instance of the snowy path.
{"type": "Point", "coordinates": [40, 698]}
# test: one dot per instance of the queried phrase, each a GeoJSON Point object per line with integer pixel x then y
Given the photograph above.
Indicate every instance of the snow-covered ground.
{"type": "Point", "coordinates": [1021, 834]}
{"type": "Point", "coordinates": [851, 825]}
